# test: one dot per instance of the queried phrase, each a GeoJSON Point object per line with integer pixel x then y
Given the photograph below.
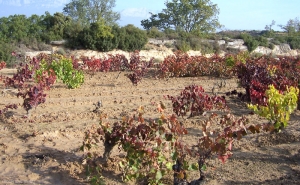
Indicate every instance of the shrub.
{"type": "Point", "coordinates": [61, 51]}
{"type": "Point", "coordinates": [207, 48]}
{"type": "Point", "coordinates": [294, 42]}
{"type": "Point", "coordinates": [171, 34]}
{"type": "Point", "coordinates": [250, 42]}
{"type": "Point", "coordinates": [169, 45]}
{"type": "Point", "coordinates": [276, 42]}
{"type": "Point", "coordinates": [64, 71]}
{"type": "Point", "coordinates": [183, 45]}
{"type": "Point", "coordinates": [155, 33]}
{"type": "Point", "coordinates": [263, 41]}
{"type": "Point", "coordinates": [279, 106]}
{"type": "Point", "coordinates": [6, 50]}
{"type": "Point", "coordinates": [132, 38]}
{"type": "Point", "coordinates": [97, 37]}
{"type": "Point", "coordinates": [271, 46]}
{"type": "Point", "coordinates": [195, 42]}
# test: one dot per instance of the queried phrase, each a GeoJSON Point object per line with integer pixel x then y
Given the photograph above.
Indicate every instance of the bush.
{"type": "Point", "coordinates": [61, 51]}
{"type": "Point", "coordinates": [276, 42]}
{"type": "Point", "coordinates": [271, 46]}
{"type": "Point", "coordinates": [279, 107]}
{"type": "Point", "coordinates": [65, 71]}
{"type": "Point", "coordinates": [97, 37]}
{"type": "Point", "coordinates": [171, 34]}
{"type": "Point", "coordinates": [5, 53]}
{"type": "Point", "coordinates": [183, 45]}
{"type": "Point", "coordinates": [250, 42]}
{"type": "Point", "coordinates": [169, 45]}
{"type": "Point", "coordinates": [132, 38]}
{"type": "Point", "coordinates": [263, 41]}
{"type": "Point", "coordinates": [155, 33]}
{"type": "Point", "coordinates": [281, 39]}
{"type": "Point", "coordinates": [207, 48]}
{"type": "Point", "coordinates": [294, 42]}
{"type": "Point", "coordinates": [195, 42]}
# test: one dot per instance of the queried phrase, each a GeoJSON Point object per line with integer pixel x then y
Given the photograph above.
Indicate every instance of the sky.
{"type": "Point", "coordinates": [234, 14]}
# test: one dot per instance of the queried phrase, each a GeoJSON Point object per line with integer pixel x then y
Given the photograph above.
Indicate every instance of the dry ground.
{"type": "Point", "coordinates": [44, 149]}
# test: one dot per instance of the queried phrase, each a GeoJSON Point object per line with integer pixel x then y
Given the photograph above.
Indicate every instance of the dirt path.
{"type": "Point", "coordinates": [44, 149]}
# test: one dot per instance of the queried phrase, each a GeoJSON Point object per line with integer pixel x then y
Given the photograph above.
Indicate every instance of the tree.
{"type": "Point", "coordinates": [91, 11]}
{"type": "Point", "coordinates": [292, 26]}
{"type": "Point", "coordinates": [198, 16]}
{"type": "Point", "coordinates": [17, 27]}
{"type": "Point", "coordinates": [4, 27]}
{"type": "Point", "coordinates": [54, 25]}
{"type": "Point", "coordinates": [97, 37]}
{"type": "Point", "coordinates": [269, 27]}
{"type": "Point", "coordinates": [35, 26]}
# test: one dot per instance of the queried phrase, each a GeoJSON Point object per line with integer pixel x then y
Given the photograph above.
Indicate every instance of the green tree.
{"type": "Point", "coordinates": [97, 37]}
{"type": "Point", "coordinates": [54, 26]}
{"type": "Point", "coordinates": [292, 26]}
{"type": "Point", "coordinates": [91, 11]}
{"type": "Point", "coordinates": [132, 38]}
{"type": "Point", "coordinates": [18, 27]}
{"type": "Point", "coordinates": [4, 28]}
{"type": "Point", "coordinates": [198, 16]}
{"type": "Point", "coordinates": [35, 26]}
{"type": "Point", "coordinates": [269, 27]}
{"type": "Point", "coordinates": [71, 34]}
{"type": "Point", "coordinates": [250, 41]}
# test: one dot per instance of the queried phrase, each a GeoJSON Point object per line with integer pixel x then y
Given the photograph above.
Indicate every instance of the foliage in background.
{"type": "Point", "coordinates": [86, 12]}
{"type": "Point", "coordinates": [132, 38]}
{"type": "Point", "coordinates": [197, 16]}
{"type": "Point", "coordinates": [97, 37]}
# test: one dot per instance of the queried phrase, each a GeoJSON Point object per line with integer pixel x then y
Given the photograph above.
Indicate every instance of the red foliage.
{"type": "Point", "coordinates": [257, 74]}
{"type": "Point", "coordinates": [193, 99]}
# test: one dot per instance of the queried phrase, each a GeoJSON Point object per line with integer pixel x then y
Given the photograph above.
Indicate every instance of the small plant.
{"type": "Point", "coordinates": [33, 97]}
{"type": "Point", "coordinates": [139, 67]}
{"type": "Point", "coordinates": [193, 99]}
{"type": "Point", "coordinates": [10, 106]}
{"type": "Point", "coordinates": [65, 71]}
{"type": "Point", "coordinates": [279, 106]}
{"type": "Point", "coordinates": [61, 51]}
{"type": "Point", "coordinates": [258, 73]}
{"type": "Point", "coordinates": [151, 146]}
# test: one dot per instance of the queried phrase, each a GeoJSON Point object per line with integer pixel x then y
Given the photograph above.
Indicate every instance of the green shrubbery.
{"type": "Point", "coordinates": [102, 37]}
{"type": "Point", "coordinates": [35, 31]}
{"type": "Point", "coordinates": [188, 41]}
{"type": "Point", "coordinates": [155, 33]}
{"type": "Point", "coordinates": [5, 53]}
{"type": "Point", "coordinates": [132, 38]}
{"type": "Point", "coordinates": [294, 42]}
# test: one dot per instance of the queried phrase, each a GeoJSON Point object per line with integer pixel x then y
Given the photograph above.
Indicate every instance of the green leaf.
{"type": "Point", "coordinates": [158, 175]}
{"type": "Point", "coordinates": [161, 158]}
{"type": "Point", "coordinates": [174, 155]}
{"type": "Point", "coordinates": [169, 166]}
{"type": "Point", "coordinates": [203, 167]}
{"type": "Point", "coordinates": [194, 166]}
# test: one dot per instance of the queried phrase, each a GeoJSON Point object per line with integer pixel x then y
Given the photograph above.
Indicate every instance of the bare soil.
{"type": "Point", "coordinates": [44, 149]}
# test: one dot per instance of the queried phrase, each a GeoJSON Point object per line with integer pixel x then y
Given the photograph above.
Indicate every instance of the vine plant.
{"type": "Point", "coordinates": [38, 74]}
{"type": "Point", "coordinates": [155, 148]}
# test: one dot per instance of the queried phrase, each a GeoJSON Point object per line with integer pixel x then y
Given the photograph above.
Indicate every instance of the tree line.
{"type": "Point", "coordinates": [92, 24]}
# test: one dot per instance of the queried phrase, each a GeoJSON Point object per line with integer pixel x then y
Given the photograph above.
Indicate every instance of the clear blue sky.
{"type": "Point", "coordinates": [234, 14]}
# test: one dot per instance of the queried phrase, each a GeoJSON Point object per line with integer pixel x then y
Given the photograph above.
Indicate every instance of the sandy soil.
{"type": "Point", "coordinates": [44, 149]}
